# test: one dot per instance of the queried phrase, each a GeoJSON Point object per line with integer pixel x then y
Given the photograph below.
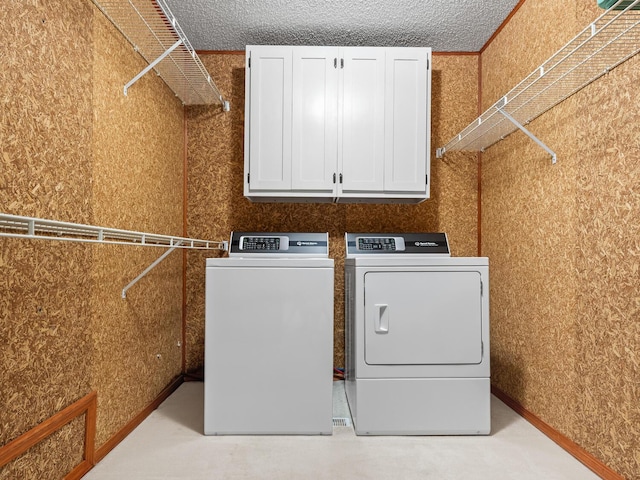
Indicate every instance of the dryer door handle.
{"type": "Point", "coordinates": [382, 318]}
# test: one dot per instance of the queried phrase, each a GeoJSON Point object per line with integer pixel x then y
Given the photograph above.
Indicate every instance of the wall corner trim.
{"type": "Point", "coordinates": [502, 25]}
{"type": "Point", "coordinates": [24, 442]}
{"type": "Point", "coordinates": [591, 462]}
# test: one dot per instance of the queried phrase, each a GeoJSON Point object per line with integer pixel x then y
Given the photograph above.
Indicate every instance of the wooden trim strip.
{"type": "Point", "coordinates": [454, 53]}
{"type": "Point", "coordinates": [24, 442]}
{"type": "Point", "coordinates": [591, 462]}
{"type": "Point", "coordinates": [185, 228]}
{"type": "Point", "coordinates": [479, 157]}
{"type": "Point", "coordinates": [137, 420]}
{"type": "Point", "coordinates": [479, 188]}
{"type": "Point", "coordinates": [220, 52]}
{"type": "Point", "coordinates": [79, 472]}
{"type": "Point", "coordinates": [89, 445]}
{"type": "Point", "coordinates": [502, 25]}
{"type": "Point", "coordinates": [242, 52]}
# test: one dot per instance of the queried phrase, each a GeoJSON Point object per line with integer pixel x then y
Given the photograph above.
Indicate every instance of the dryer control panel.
{"type": "Point", "coordinates": [397, 243]}
{"type": "Point", "coordinates": [279, 244]}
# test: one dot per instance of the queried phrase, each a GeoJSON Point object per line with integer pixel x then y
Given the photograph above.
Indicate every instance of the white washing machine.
{"type": "Point", "coordinates": [417, 336]}
{"type": "Point", "coordinates": [269, 336]}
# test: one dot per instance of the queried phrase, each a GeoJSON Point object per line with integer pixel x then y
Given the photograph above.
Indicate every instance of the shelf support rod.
{"type": "Point", "coordinates": [151, 65]}
{"type": "Point", "coordinates": [148, 269]}
{"type": "Point", "coordinates": [530, 135]}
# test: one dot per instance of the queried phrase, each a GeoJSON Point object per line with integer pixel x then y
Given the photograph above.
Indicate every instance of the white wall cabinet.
{"type": "Point", "coordinates": [269, 124]}
{"type": "Point", "coordinates": [315, 119]}
{"type": "Point", "coordinates": [347, 124]}
{"type": "Point", "coordinates": [363, 108]}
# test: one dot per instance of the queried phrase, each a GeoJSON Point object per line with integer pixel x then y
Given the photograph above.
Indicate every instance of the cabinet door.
{"type": "Point", "coordinates": [270, 118]}
{"type": "Point", "coordinates": [406, 119]}
{"type": "Point", "coordinates": [363, 119]}
{"type": "Point", "coordinates": [315, 118]}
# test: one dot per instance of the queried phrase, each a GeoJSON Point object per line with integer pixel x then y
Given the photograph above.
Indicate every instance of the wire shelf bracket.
{"type": "Point", "coordinates": [155, 34]}
{"type": "Point", "coordinates": [13, 226]}
{"type": "Point", "coordinates": [152, 65]}
{"type": "Point", "coordinates": [147, 270]}
{"type": "Point", "coordinates": [610, 40]}
{"type": "Point", "coordinates": [540, 143]}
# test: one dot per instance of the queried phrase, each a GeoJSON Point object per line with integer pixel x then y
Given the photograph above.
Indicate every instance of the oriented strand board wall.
{"type": "Point", "coordinates": [216, 205]}
{"type": "Point", "coordinates": [608, 269]}
{"type": "Point", "coordinates": [138, 149]}
{"type": "Point", "coordinates": [73, 148]}
{"type": "Point", "coordinates": [562, 242]}
{"type": "Point", "coordinates": [45, 144]}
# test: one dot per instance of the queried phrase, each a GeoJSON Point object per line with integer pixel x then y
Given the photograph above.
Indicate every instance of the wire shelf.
{"type": "Point", "coordinates": [13, 226]}
{"type": "Point", "coordinates": [156, 35]}
{"type": "Point", "coordinates": [610, 40]}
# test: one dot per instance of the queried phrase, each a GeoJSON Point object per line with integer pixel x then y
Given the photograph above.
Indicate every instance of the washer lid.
{"type": "Point", "coordinates": [279, 244]}
{"type": "Point", "coordinates": [374, 244]}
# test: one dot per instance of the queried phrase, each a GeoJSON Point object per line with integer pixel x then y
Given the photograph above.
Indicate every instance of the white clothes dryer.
{"type": "Point", "coordinates": [269, 336]}
{"type": "Point", "coordinates": [417, 336]}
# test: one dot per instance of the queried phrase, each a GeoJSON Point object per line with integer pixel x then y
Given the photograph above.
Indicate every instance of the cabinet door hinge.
{"type": "Point", "coordinates": [340, 178]}
{"type": "Point", "coordinates": [342, 63]}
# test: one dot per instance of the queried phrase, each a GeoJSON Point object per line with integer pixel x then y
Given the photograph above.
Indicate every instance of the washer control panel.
{"type": "Point", "coordinates": [280, 244]}
{"type": "Point", "coordinates": [250, 243]}
{"type": "Point", "coordinates": [397, 243]}
{"type": "Point", "coordinates": [385, 244]}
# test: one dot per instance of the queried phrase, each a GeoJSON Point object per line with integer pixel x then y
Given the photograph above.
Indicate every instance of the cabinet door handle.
{"type": "Point", "coordinates": [342, 63]}
{"type": "Point", "coordinates": [335, 63]}
{"type": "Point", "coordinates": [340, 178]}
{"type": "Point", "coordinates": [334, 178]}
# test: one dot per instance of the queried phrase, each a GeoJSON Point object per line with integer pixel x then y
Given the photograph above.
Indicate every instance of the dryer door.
{"type": "Point", "coordinates": [423, 318]}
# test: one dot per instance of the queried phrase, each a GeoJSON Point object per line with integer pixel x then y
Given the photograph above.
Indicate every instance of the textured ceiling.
{"type": "Point", "coordinates": [444, 25]}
